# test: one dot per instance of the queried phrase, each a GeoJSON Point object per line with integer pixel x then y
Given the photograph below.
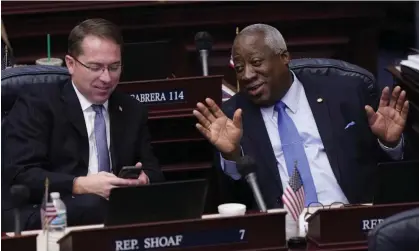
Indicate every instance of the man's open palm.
{"type": "Point", "coordinates": [390, 119]}
{"type": "Point", "coordinates": [222, 132]}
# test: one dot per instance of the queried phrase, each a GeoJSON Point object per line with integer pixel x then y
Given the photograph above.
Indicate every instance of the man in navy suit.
{"type": "Point", "coordinates": [326, 124]}
{"type": "Point", "coordinates": [78, 133]}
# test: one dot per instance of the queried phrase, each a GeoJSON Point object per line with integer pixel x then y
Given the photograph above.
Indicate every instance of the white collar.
{"type": "Point", "coordinates": [85, 104]}
{"type": "Point", "coordinates": [291, 98]}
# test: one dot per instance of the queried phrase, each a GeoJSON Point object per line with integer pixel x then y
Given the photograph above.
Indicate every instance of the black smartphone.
{"type": "Point", "coordinates": [130, 172]}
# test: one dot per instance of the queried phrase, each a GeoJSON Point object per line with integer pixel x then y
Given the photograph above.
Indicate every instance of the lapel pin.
{"type": "Point", "coordinates": [319, 100]}
{"type": "Point", "coordinates": [120, 109]}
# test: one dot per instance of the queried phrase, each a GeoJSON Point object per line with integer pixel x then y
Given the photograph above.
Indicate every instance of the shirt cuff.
{"type": "Point", "coordinates": [395, 153]}
{"type": "Point", "coordinates": [230, 168]}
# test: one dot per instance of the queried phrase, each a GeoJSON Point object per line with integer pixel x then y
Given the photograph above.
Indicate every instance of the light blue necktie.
{"type": "Point", "coordinates": [101, 140]}
{"type": "Point", "coordinates": [292, 146]}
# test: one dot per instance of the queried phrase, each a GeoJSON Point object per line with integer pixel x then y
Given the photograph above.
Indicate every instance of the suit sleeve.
{"type": "Point", "coordinates": [26, 147]}
{"type": "Point", "coordinates": [230, 168]}
{"type": "Point", "coordinates": [145, 153]}
{"type": "Point", "coordinates": [231, 189]}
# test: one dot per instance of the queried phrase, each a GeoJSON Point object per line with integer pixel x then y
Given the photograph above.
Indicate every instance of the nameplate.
{"type": "Point", "coordinates": [357, 221]}
{"type": "Point", "coordinates": [161, 97]}
{"type": "Point", "coordinates": [369, 224]}
{"type": "Point", "coordinates": [182, 240]}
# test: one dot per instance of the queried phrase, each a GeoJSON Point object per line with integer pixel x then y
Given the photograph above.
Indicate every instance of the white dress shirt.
{"type": "Point", "coordinates": [89, 118]}
{"type": "Point", "coordinates": [298, 108]}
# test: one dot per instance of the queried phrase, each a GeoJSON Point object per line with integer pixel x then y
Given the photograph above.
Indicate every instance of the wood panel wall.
{"type": "Point", "coordinates": [343, 30]}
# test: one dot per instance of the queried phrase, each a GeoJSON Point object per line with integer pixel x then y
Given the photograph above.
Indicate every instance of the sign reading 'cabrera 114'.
{"type": "Point", "coordinates": [161, 97]}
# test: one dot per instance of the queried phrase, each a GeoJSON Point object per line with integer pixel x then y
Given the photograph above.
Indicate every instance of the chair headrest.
{"type": "Point", "coordinates": [327, 67]}
{"type": "Point", "coordinates": [13, 80]}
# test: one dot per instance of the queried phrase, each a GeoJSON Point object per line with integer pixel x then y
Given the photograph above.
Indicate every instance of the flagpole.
{"type": "Point", "coordinates": [237, 81]}
{"type": "Point", "coordinates": [45, 226]}
{"type": "Point", "coordinates": [45, 201]}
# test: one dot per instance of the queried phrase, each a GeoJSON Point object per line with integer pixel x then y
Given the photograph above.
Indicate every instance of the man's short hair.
{"type": "Point", "coordinates": [97, 27]}
{"type": "Point", "coordinates": [273, 38]}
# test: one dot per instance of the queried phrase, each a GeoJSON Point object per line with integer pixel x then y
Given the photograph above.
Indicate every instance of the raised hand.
{"type": "Point", "coordinates": [390, 119]}
{"type": "Point", "coordinates": [222, 132]}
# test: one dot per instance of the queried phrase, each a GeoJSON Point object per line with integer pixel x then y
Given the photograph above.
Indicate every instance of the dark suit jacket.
{"type": "Point", "coordinates": [353, 153]}
{"type": "Point", "coordinates": [45, 136]}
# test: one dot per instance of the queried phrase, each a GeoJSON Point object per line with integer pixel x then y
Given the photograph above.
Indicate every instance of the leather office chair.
{"type": "Point", "coordinates": [15, 80]}
{"type": "Point", "coordinates": [399, 232]}
{"type": "Point", "coordinates": [328, 67]}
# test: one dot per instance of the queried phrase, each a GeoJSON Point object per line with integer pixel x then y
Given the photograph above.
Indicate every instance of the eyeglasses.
{"type": "Point", "coordinates": [311, 208]}
{"type": "Point", "coordinates": [99, 68]}
{"type": "Point", "coordinates": [314, 206]}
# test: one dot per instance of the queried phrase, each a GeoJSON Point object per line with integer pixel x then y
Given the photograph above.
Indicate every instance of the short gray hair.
{"type": "Point", "coordinates": [273, 38]}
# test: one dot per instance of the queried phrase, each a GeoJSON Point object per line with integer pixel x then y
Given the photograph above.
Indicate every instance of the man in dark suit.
{"type": "Point", "coordinates": [327, 125]}
{"type": "Point", "coordinates": [78, 133]}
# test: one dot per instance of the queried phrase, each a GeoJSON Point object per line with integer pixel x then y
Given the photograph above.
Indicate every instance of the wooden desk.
{"type": "Point", "coordinates": [18, 243]}
{"type": "Point", "coordinates": [258, 231]}
{"type": "Point", "coordinates": [346, 228]}
{"type": "Point", "coordinates": [312, 247]}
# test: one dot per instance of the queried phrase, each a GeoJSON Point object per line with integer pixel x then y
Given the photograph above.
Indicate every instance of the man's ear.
{"type": "Point", "coordinates": [285, 57]}
{"type": "Point", "coordinates": [70, 64]}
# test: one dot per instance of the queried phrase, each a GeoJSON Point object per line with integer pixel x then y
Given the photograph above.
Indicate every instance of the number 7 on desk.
{"type": "Point", "coordinates": [242, 232]}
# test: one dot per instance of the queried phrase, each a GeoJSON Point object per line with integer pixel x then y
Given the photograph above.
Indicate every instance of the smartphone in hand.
{"type": "Point", "coordinates": [130, 172]}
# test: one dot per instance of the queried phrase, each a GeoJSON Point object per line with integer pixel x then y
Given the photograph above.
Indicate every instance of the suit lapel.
{"type": "Point", "coordinates": [74, 113]}
{"type": "Point", "coordinates": [323, 104]}
{"type": "Point", "coordinates": [117, 125]}
{"type": "Point", "coordinates": [258, 141]}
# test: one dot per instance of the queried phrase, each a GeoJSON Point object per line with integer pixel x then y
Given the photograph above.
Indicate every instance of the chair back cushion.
{"type": "Point", "coordinates": [14, 80]}
{"type": "Point", "coordinates": [330, 67]}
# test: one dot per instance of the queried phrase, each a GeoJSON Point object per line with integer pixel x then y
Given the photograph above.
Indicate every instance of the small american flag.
{"type": "Point", "coordinates": [48, 211]}
{"type": "Point", "coordinates": [293, 197]}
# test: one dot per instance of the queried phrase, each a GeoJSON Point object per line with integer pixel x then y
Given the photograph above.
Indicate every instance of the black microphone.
{"type": "Point", "coordinates": [19, 195]}
{"type": "Point", "coordinates": [246, 167]}
{"type": "Point", "coordinates": [203, 43]}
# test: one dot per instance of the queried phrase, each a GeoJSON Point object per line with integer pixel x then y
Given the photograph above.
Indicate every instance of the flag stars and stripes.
{"type": "Point", "coordinates": [293, 197]}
